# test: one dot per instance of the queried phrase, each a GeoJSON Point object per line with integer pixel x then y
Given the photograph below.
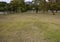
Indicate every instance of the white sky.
{"type": "Point", "coordinates": [28, 0]}
{"type": "Point", "coordinates": [6, 0]}
{"type": "Point", "coordinates": [10, 0]}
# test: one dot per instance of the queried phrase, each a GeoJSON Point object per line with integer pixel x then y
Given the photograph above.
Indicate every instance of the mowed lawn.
{"type": "Point", "coordinates": [27, 27]}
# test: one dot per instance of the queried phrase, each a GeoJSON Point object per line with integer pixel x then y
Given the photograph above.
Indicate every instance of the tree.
{"type": "Point", "coordinates": [43, 5]}
{"type": "Point", "coordinates": [36, 5]}
{"type": "Point", "coordinates": [3, 6]}
{"type": "Point", "coordinates": [57, 7]}
{"type": "Point", "coordinates": [17, 6]}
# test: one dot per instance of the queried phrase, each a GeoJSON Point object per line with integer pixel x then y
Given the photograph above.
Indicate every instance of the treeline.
{"type": "Point", "coordinates": [3, 6]}
{"type": "Point", "coordinates": [15, 6]}
{"type": "Point", "coordinates": [21, 6]}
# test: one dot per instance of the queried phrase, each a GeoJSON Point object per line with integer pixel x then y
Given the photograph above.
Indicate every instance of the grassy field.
{"type": "Point", "coordinates": [31, 27]}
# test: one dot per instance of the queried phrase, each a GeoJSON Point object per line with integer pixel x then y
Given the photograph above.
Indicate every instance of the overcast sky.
{"type": "Point", "coordinates": [6, 0]}
{"type": "Point", "coordinates": [28, 0]}
{"type": "Point", "coordinates": [10, 0]}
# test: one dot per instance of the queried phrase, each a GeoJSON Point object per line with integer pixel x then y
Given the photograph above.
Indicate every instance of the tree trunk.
{"type": "Point", "coordinates": [53, 12]}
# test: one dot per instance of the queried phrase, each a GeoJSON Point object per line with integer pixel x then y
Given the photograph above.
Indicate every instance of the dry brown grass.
{"type": "Point", "coordinates": [30, 28]}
